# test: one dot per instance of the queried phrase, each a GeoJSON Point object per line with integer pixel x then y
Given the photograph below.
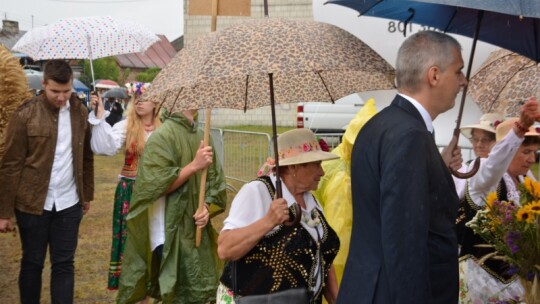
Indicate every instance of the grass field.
{"type": "Point", "coordinates": [93, 252]}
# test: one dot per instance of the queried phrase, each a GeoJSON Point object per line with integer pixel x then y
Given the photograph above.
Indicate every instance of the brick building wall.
{"type": "Point", "coordinates": [195, 26]}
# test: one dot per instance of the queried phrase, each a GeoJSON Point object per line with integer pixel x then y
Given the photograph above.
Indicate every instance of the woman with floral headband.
{"type": "Point", "coordinates": [502, 171]}
{"type": "Point", "coordinates": [267, 257]}
{"type": "Point", "coordinates": [131, 134]}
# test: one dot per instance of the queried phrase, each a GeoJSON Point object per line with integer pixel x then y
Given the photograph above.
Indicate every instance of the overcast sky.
{"type": "Point", "coordinates": [160, 16]}
{"type": "Point", "coordinates": [166, 17]}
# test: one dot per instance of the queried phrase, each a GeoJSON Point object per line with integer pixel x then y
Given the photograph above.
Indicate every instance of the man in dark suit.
{"type": "Point", "coordinates": [403, 243]}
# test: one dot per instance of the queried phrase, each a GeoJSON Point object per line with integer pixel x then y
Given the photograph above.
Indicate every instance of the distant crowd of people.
{"type": "Point", "coordinates": [378, 220]}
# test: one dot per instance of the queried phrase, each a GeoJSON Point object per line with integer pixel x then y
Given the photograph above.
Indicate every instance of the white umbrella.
{"type": "Point", "coordinates": [85, 38]}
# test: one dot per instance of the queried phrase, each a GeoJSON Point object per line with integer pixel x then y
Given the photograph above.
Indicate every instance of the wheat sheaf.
{"type": "Point", "coordinates": [13, 90]}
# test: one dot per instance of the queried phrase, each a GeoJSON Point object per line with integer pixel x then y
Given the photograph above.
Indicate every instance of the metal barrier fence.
{"type": "Point", "coordinates": [242, 153]}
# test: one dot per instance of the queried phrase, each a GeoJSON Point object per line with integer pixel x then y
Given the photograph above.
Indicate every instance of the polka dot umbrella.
{"type": "Point", "coordinates": [85, 38]}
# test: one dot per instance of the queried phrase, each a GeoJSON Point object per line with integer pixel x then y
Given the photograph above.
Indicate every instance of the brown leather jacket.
{"type": "Point", "coordinates": [25, 169]}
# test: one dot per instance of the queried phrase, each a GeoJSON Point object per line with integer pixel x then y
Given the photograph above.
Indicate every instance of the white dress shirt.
{"type": "Point", "coordinates": [422, 110]}
{"type": "Point", "coordinates": [62, 192]}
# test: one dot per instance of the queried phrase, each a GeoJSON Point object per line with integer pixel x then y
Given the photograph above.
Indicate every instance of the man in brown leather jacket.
{"type": "Point", "coordinates": [47, 182]}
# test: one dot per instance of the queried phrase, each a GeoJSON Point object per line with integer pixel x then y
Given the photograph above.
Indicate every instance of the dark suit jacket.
{"type": "Point", "coordinates": [403, 245]}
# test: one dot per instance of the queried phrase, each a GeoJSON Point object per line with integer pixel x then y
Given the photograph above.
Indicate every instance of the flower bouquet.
{"type": "Point", "coordinates": [513, 230]}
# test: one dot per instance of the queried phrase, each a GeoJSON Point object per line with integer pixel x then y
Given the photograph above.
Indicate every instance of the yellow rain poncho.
{"type": "Point", "coordinates": [334, 192]}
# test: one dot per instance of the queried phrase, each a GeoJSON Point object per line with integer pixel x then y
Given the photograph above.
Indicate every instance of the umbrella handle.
{"type": "Point", "coordinates": [297, 216]}
{"type": "Point", "coordinates": [471, 173]}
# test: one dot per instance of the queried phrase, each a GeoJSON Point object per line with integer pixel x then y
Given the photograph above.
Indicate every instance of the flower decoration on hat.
{"type": "Point", "coordinates": [324, 145]}
{"type": "Point", "coordinates": [137, 88]}
{"type": "Point", "coordinates": [294, 151]}
{"type": "Point", "coordinates": [266, 168]}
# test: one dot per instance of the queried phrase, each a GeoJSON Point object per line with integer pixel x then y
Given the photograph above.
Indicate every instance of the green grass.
{"type": "Point", "coordinates": [261, 129]}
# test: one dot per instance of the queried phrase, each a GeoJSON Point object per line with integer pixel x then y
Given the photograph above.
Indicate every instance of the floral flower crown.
{"type": "Point", "coordinates": [137, 87]}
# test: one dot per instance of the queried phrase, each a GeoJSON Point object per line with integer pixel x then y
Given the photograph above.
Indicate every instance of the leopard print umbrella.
{"type": "Point", "coordinates": [309, 61]}
{"type": "Point", "coordinates": [504, 81]}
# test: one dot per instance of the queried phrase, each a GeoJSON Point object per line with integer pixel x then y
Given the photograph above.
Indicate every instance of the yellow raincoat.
{"type": "Point", "coordinates": [334, 192]}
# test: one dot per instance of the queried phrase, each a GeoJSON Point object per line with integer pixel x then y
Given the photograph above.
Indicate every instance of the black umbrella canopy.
{"type": "Point", "coordinates": [34, 81]}
{"type": "Point", "coordinates": [120, 93]}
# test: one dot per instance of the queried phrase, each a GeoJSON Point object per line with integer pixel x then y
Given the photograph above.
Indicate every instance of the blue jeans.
{"type": "Point", "coordinates": [59, 230]}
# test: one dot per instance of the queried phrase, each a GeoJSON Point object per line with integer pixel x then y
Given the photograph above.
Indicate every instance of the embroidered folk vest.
{"type": "Point", "coordinates": [283, 259]}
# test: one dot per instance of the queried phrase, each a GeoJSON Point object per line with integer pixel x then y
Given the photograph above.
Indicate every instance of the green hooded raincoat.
{"type": "Point", "coordinates": [187, 274]}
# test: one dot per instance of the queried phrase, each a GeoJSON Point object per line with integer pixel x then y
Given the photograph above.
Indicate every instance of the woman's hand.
{"type": "Point", "coordinates": [203, 158]}
{"type": "Point", "coordinates": [529, 113]}
{"type": "Point", "coordinates": [235, 243]}
{"type": "Point", "coordinates": [278, 213]}
{"type": "Point", "coordinates": [97, 105]}
{"type": "Point", "coordinates": [201, 217]}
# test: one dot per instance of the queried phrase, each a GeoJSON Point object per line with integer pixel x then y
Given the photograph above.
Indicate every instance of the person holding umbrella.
{"type": "Point", "coordinates": [265, 256]}
{"type": "Point", "coordinates": [130, 134]}
{"type": "Point", "coordinates": [403, 243]}
{"type": "Point", "coordinates": [47, 182]}
{"type": "Point", "coordinates": [160, 250]}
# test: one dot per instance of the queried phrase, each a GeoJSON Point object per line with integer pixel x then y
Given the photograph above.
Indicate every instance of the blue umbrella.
{"type": "Point", "coordinates": [511, 24]}
{"type": "Point", "coordinates": [499, 22]}
{"type": "Point", "coordinates": [79, 85]}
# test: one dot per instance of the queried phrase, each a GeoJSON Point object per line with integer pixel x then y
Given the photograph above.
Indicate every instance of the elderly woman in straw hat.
{"type": "Point", "coordinates": [482, 138]}
{"type": "Point", "coordinates": [502, 171]}
{"type": "Point", "coordinates": [264, 255]}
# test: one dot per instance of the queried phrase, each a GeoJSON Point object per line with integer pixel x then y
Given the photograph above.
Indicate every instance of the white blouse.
{"type": "Point", "coordinates": [495, 167]}
{"type": "Point", "coordinates": [109, 140]}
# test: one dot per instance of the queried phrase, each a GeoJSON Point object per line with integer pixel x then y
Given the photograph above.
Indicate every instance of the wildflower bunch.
{"type": "Point", "coordinates": [513, 229]}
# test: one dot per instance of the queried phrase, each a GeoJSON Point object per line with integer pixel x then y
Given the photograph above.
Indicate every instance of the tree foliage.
{"type": "Point", "coordinates": [148, 75]}
{"type": "Point", "coordinates": [104, 68]}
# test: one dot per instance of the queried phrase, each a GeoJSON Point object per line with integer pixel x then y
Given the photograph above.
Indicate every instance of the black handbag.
{"type": "Point", "coordinates": [289, 296]}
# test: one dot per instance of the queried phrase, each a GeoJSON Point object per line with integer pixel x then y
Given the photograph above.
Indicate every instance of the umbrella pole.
{"type": "Point", "coordinates": [279, 191]}
{"type": "Point", "coordinates": [468, 75]}
{"type": "Point", "coordinates": [207, 115]}
{"type": "Point", "coordinates": [91, 56]}
{"type": "Point", "coordinates": [463, 97]}
{"type": "Point", "coordinates": [202, 189]}
{"type": "Point", "coordinates": [92, 72]}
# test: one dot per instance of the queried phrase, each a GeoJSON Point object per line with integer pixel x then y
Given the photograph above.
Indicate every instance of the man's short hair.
{"type": "Point", "coordinates": [58, 71]}
{"type": "Point", "coordinates": [421, 51]}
